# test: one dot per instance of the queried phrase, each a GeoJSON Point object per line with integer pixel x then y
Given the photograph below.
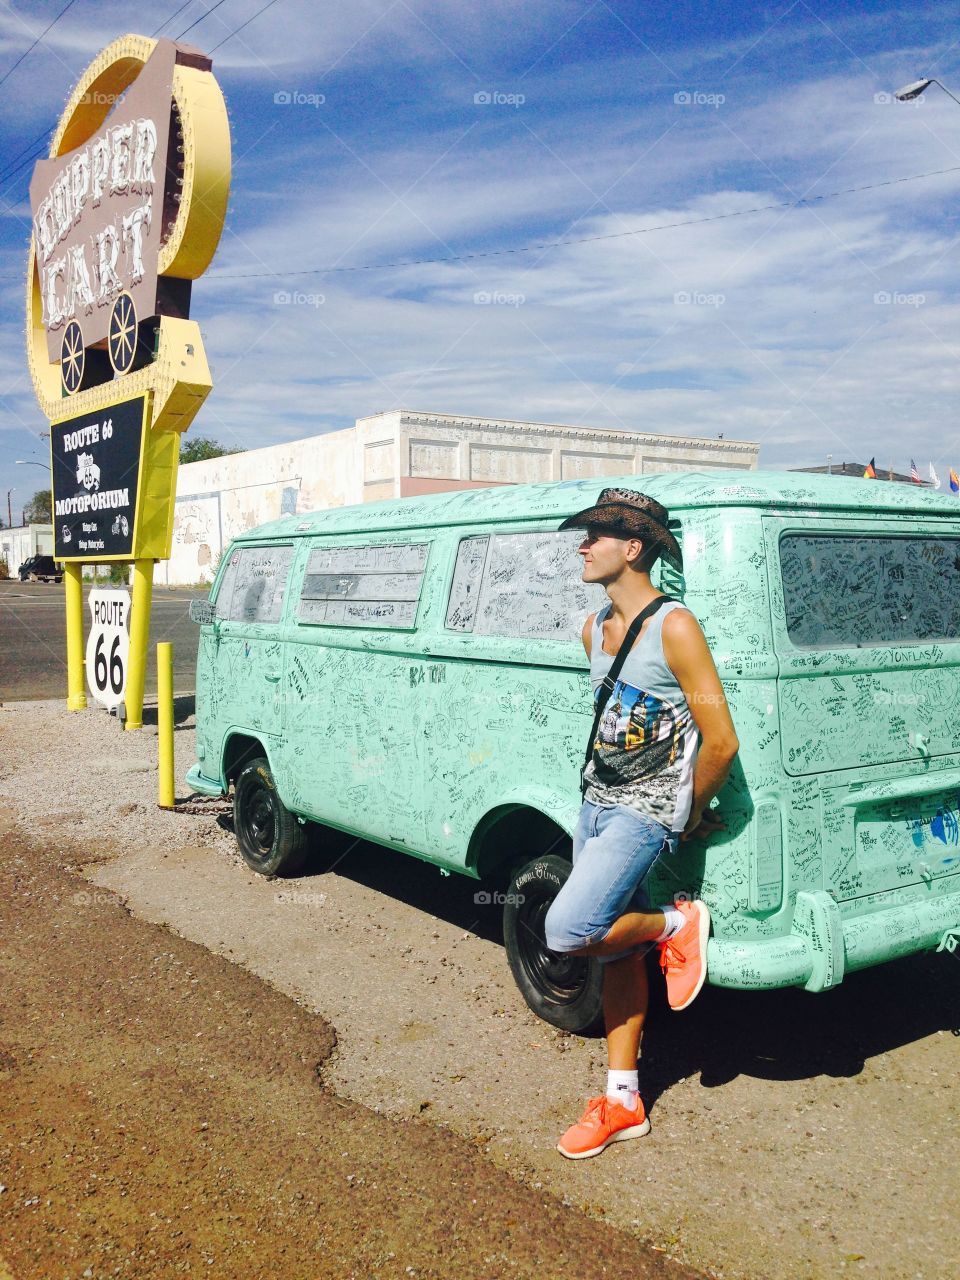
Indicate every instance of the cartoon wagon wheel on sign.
{"type": "Point", "coordinates": [72, 359]}
{"type": "Point", "coordinates": [122, 339]}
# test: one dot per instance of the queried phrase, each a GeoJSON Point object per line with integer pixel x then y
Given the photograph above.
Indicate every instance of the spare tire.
{"type": "Point", "coordinates": [564, 990]}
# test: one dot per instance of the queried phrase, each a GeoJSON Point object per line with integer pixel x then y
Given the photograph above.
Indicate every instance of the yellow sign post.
{"type": "Point", "coordinates": [127, 212]}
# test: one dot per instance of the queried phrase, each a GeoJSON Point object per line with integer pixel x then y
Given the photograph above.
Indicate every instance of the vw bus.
{"type": "Point", "coordinates": [411, 672]}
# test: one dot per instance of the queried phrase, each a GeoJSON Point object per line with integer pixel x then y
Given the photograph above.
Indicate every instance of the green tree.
{"type": "Point", "coordinates": [200, 448]}
{"type": "Point", "coordinates": [38, 510]}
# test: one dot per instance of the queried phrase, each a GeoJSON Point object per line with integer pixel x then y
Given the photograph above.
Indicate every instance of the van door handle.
{"type": "Point", "coordinates": [271, 674]}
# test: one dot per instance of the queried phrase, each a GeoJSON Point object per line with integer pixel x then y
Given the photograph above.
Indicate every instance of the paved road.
{"type": "Point", "coordinates": [33, 644]}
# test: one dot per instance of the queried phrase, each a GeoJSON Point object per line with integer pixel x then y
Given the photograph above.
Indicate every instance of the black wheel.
{"type": "Point", "coordinates": [272, 841]}
{"type": "Point", "coordinates": [122, 338]}
{"type": "Point", "coordinates": [72, 359]}
{"type": "Point", "coordinates": [564, 990]}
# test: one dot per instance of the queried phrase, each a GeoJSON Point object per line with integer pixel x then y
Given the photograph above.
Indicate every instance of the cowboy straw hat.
{"type": "Point", "coordinates": [625, 511]}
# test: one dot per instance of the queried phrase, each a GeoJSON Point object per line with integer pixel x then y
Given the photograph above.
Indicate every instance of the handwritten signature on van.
{"type": "Point", "coordinates": [944, 827]}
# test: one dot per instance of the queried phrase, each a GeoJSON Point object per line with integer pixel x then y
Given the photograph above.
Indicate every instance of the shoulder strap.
{"type": "Point", "coordinates": [610, 679]}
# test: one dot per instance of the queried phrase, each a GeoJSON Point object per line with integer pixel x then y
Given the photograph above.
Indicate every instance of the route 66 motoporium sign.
{"type": "Point", "coordinates": [96, 475]}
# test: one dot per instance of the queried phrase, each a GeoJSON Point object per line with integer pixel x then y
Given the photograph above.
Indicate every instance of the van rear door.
{"type": "Point", "coordinates": [866, 620]}
{"type": "Point", "coordinates": [240, 660]}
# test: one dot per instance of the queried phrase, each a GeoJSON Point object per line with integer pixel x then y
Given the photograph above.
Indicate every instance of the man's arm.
{"type": "Point", "coordinates": [585, 633]}
{"type": "Point", "coordinates": [688, 656]}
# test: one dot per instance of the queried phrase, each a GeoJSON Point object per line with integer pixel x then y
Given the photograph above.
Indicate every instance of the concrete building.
{"type": "Point", "coordinates": [23, 541]}
{"type": "Point", "coordinates": [403, 453]}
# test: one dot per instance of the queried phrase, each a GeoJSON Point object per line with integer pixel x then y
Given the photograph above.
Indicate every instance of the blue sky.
{"type": "Point", "coordinates": [360, 141]}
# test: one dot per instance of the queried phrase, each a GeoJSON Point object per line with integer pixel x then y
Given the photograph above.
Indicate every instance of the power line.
{"type": "Point", "coordinates": [557, 244]}
{"type": "Point", "coordinates": [196, 23]}
{"type": "Point", "coordinates": [186, 5]}
{"type": "Point", "coordinates": [8, 74]}
{"type": "Point", "coordinates": [37, 155]}
{"type": "Point", "coordinates": [16, 164]}
{"type": "Point", "coordinates": [268, 5]}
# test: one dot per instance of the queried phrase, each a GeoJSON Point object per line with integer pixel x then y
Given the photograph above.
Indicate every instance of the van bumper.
{"type": "Point", "coordinates": [206, 786]}
{"type": "Point", "coordinates": [821, 947]}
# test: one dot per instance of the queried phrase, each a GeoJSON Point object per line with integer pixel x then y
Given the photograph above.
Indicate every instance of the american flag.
{"type": "Point", "coordinates": [914, 473]}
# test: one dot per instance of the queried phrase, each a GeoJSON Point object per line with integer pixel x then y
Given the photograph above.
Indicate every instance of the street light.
{"type": "Point", "coordinates": [914, 90]}
{"type": "Point", "coordinates": [28, 462]}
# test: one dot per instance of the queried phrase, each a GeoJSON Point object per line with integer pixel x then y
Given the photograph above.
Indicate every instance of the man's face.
{"type": "Point", "coordinates": [606, 555]}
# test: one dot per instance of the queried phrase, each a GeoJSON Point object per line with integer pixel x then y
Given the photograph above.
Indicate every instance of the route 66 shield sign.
{"type": "Point", "coordinates": [108, 646]}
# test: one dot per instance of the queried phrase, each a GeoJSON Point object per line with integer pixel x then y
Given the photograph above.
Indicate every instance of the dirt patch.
{"type": "Point", "coordinates": [163, 1113]}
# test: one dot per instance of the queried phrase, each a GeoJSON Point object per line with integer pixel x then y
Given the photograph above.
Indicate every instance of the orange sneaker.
{"type": "Point", "coordinates": [683, 958]}
{"type": "Point", "coordinates": [603, 1122]}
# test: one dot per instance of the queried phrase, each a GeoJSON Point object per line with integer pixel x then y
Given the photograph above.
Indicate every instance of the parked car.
{"type": "Point", "coordinates": [40, 569]}
{"type": "Point", "coordinates": [411, 672]}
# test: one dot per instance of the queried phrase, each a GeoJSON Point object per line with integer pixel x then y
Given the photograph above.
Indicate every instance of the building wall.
{"type": "Point", "coordinates": [470, 452]}
{"type": "Point", "coordinates": [221, 497]}
{"type": "Point", "coordinates": [401, 454]}
{"type": "Point", "coordinates": [23, 541]}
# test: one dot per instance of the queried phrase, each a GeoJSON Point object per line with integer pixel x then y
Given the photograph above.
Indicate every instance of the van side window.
{"type": "Point", "coordinates": [253, 584]}
{"type": "Point", "coordinates": [368, 586]}
{"type": "Point", "coordinates": [856, 590]}
{"type": "Point", "coordinates": [522, 585]}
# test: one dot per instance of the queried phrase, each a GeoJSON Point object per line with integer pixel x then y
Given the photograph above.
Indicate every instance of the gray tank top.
{"type": "Point", "coordinates": [646, 744]}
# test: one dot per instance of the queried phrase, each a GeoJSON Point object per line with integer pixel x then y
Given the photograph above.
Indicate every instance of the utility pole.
{"type": "Point", "coordinates": [9, 513]}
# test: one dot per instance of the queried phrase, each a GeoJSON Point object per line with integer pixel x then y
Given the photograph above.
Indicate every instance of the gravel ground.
{"type": "Point", "coordinates": [163, 1114]}
{"type": "Point", "coordinates": [793, 1135]}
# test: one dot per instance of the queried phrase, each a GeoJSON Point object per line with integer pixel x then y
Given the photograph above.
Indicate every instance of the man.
{"type": "Point", "coordinates": [647, 785]}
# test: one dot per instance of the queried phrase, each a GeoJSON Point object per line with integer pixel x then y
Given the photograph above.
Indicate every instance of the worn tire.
{"type": "Point", "coordinates": [564, 990]}
{"type": "Point", "coordinates": [272, 841]}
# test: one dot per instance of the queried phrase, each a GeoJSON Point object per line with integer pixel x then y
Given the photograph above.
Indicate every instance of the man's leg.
{"type": "Point", "coordinates": [595, 915]}
{"type": "Point", "coordinates": [625, 998]}
{"type": "Point", "coordinates": [613, 851]}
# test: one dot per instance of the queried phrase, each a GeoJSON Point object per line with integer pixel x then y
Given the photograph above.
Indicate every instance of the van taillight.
{"type": "Point", "coordinates": [766, 858]}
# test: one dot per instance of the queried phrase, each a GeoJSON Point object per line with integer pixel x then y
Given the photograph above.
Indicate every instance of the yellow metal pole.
{"type": "Point", "coordinates": [139, 640]}
{"type": "Point", "coordinates": [166, 798]}
{"type": "Point", "coordinates": [73, 589]}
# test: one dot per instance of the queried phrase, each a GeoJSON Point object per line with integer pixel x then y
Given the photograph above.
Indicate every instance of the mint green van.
{"type": "Point", "coordinates": [411, 672]}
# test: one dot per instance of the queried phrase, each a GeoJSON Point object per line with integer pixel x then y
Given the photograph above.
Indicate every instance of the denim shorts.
{"type": "Point", "coordinates": [614, 848]}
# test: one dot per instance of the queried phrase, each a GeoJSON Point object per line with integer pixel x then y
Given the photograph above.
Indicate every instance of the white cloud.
{"type": "Point", "coordinates": [781, 338]}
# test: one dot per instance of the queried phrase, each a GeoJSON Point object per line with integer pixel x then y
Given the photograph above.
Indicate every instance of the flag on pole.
{"type": "Point", "coordinates": [914, 473]}
{"type": "Point", "coordinates": [954, 481]}
{"type": "Point", "coordinates": [870, 471]}
{"type": "Point", "coordinates": [934, 478]}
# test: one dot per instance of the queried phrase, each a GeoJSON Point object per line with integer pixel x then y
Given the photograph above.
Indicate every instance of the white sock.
{"type": "Point", "coordinates": [675, 921]}
{"type": "Point", "coordinates": [623, 1087]}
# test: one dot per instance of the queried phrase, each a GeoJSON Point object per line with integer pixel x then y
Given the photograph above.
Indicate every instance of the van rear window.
{"type": "Point", "coordinates": [522, 585]}
{"type": "Point", "coordinates": [852, 590]}
{"type": "Point", "coordinates": [368, 586]}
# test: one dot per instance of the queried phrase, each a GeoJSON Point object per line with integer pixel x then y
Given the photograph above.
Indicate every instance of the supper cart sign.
{"type": "Point", "coordinates": [127, 211]}
{"type": "Point", "coordinates": [108, 646]}
{"type": "Point", "coordinates": [99, 211]}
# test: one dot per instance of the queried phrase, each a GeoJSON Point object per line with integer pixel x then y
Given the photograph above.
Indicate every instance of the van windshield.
{"type": "Point", "coordinates": [854, 590]}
